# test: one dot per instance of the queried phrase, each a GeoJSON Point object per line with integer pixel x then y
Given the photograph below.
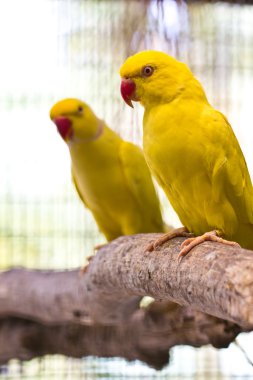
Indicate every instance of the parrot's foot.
{"type": "Point", "coordinates": [85, 267]}
{"type": "Point", "coordinates": [98, 246]}
{"type": "Point", "coordinates": [89, 258]}
{"type": "Point", "coordinates": [177, 232]}
{"type": "Point", "coordinates": [190, 243]}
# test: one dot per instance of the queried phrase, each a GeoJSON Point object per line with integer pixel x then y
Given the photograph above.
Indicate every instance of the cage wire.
{"type": "Point", "coordinates": [51, 49]}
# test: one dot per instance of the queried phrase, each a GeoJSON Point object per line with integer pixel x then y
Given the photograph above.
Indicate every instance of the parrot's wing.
{"type": "Point", "coordinates": [77, 189]}
{"type": "Point", "coordinates": [231, 174]}
{"type": "Point", "coordinates": [138, 178]}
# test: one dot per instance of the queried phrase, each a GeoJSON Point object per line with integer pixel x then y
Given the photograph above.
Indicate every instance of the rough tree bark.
{"type": "Point", "coordinates": [212, 278]}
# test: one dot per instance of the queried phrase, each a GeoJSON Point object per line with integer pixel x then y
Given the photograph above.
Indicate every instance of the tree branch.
{"type": "Point", "coordinates": [148, 336]}
{"type": "Point", "coordinates": [213, 278]}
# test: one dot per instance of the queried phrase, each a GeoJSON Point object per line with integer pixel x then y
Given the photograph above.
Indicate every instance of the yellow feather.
{"type": "Point", "coordinates": [110, 174]}
{"type": "Point", "coordinates": [191, 149]}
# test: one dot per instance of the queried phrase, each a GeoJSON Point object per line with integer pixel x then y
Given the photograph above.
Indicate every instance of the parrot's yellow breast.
{"type": "Point", "coordinates": [113, 180]}
{"type": "Point", "coordinates": [100, 179]}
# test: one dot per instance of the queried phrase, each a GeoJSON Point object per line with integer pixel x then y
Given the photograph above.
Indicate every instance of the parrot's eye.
{"type": "Point", "coordinates": [147, 71]}
{"type": "Point", "coordinates": [80, 109]}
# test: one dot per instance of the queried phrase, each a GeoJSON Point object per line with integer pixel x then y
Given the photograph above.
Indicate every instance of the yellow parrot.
{"type": "Point", "coordinates": [192, 151]}
{"type": "Point", "coordinates": [110, 174]}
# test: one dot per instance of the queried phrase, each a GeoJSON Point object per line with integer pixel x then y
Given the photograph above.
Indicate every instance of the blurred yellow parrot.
{"type": "Point", "coordinates": [192, 151]}
{"type": "Point", "coordinates": [110, 174]}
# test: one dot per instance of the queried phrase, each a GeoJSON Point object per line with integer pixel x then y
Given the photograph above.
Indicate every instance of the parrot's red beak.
{"type": "Point", "coordinates": [64, 127]}
{"type": "Point", "coordinates": [127, 90]}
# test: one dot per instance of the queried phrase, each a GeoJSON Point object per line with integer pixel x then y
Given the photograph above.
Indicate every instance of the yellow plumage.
{"type": "Point", "coordinates": [191, 148]}
{"type": "Point", "coordinates": [110, 174]}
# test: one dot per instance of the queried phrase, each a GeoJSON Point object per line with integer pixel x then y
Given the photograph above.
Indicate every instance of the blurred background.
{"type": "Point", "coordinates": [51, 49]}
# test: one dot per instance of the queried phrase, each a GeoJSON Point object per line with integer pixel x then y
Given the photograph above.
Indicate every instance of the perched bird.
{"type": "Point", "coordinates": [192, 151]}
{"type": "Point", "coordinates": [110, 174]}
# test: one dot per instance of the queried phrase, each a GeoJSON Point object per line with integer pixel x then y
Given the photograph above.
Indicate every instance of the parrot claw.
{"type": "Point", "coordinates": [187, 242]}
{"type": "Point", "coordinates": [89, 258]}
{"type": "Point", "coordinates": [190, 243]}
{"type": "Point", "coordinates": [177, 232]}
{"type": "Point", "coordinates": [98, 246]}
{"type": "Point", "coordinates": [84, 269]}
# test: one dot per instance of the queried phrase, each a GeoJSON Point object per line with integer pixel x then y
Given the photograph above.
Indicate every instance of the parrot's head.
{"type": "Point", "coordinates": [75, 121]}
{"type": "Point", "coordinates": [152, 77]}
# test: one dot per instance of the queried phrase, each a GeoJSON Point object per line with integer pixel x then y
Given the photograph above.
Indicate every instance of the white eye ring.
{"type": "Point", "coordinates": [147, 71]}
